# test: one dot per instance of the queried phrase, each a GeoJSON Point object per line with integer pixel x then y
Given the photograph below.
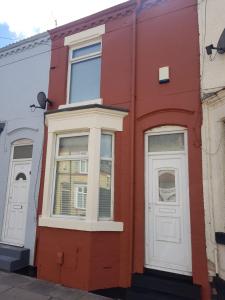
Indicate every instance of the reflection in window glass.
{"type": "Point", "coordinates": [83, 166]}
{"type": "Point", "coordinates": [75, 145]}
{"type": "Point", "coordinates": [70, 189]}
{"type": "Point", "coordinates": [80, 196]}
{"type": "Point", "coordinates": [86, 50]}
{"type": "Point", "coordinates": [71, 176]}
{"type": "Point", "coordinates": [105, 179]}
{"type": "Point", "coordinates": [106, 145]}
{"type": "Point", "coordinates": [167, 188]}
{"type": "Point", "coordinates": [166, 142]}
{"type": "Point", "coordinates": [85, 80]}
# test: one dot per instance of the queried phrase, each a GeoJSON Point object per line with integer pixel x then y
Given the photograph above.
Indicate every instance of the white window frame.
{"type": "Point", "coordinates": [93, 121]}
{"type": "Point", "coordinates": [78, 41]}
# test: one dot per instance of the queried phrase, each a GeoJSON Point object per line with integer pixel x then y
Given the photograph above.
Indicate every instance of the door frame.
{"type": "Point", "coordinates": [20, 142]}
{"type": "Point", "coordinates": [160, 131]}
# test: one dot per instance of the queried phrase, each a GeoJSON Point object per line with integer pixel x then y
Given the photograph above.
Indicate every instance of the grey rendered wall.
{"type": "Point", "coordinates": [24, 71]}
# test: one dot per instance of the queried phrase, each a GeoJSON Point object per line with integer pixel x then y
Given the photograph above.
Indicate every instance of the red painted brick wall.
{"type": "Point", "coordinates": [167, 35]}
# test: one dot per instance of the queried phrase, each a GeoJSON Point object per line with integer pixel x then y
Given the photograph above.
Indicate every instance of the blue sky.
{"type": "Point", "coordinates": [24, 18]}
{"type": "Point", "coordinates": [6, 36]}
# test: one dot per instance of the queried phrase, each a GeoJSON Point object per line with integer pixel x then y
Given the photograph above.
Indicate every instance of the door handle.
{"type": "Point", "coordinates": [17, 206]}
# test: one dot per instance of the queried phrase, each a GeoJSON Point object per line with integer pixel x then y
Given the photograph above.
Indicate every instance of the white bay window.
{"type": "Point", "coordinates": [79, 176]}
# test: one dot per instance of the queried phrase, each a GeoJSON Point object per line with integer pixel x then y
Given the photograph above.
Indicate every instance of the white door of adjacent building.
{"type": "Point", "coordinates": [17, 196]}
{"type": "Point", "coordinates": [168, 240]}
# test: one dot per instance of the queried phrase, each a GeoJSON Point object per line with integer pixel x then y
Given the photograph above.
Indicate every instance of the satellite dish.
{"type": "Point", "coordinates": [42, 99]}
{"type": "Point", "coordinates": [221, 43]}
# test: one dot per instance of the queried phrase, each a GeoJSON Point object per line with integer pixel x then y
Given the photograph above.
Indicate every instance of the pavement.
{"type": "Point", "coordinates": [19, 287]}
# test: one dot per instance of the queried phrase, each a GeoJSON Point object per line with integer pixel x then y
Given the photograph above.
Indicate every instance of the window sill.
{"type": "Point", "coordinates": [79, 224]}
{"type": "Point", "coordinates": [82, 103]}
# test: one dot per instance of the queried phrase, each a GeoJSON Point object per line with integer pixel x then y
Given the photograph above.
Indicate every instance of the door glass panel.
{"type": "Point", "coordinates": [167, 187]}
{"type": "Point", "coordinates": [24, 151]}
{"type": "Point", "coordinates": [21, 176]}
{"type": "Point", "coordinates": [166, 142]}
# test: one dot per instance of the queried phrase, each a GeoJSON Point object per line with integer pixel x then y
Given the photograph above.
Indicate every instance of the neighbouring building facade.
{"type": "Point", "coordinates": [211, 27]}
{"type": "Point", "coordinates": [24, 71]}
{"type": "Point", "coordinates": [121, 186]}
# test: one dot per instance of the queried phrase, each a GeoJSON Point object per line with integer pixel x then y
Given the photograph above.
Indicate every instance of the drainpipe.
{"type": "Point", "coordinates": [133, 119]}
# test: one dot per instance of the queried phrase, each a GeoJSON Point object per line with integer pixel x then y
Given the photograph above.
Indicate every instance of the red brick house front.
{"type": "Point", "coordinates": [121, 190]}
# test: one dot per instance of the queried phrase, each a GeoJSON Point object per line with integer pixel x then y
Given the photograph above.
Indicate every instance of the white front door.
{"type": "Point", "coordinates": [168, 242]}
{"type": "Point", "coordinates": [17, 202]}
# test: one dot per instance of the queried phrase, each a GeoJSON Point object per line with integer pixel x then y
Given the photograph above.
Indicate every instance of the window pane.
{"type": "Point", "coordinates": [24, 151]}
{"type": "Point", "coordinates": [86, 50]}
{"type": "Point", "coordinates": [85, 80]}
{"type": "Point", "coordinates": [76, 145]}
{"type": "Point", "coordinates": [105, 189]}
{"type": "Point", "coordinates": [166, 142]}
{"type": "Point", "coordinates": [106, 145]}
{"type": "Point", "coordinates": [70, 189]}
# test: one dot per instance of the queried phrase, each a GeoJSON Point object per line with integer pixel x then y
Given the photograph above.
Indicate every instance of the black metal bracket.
{"type": "Point", "coordinates": [2, 126]}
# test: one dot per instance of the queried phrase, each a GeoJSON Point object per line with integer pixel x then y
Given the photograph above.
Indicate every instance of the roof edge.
{"type": "Point", "coordinates": [92, 20]}
{"type": "Point", "coordinates": [44, 36]}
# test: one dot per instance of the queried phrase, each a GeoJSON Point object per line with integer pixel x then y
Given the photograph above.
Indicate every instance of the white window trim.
{"type": "Point", "coordinates": [83, 36]}
{"type": "Point", "coordinates": [76, 41]}
{"type": "Point", "coordinates": [94, 120]}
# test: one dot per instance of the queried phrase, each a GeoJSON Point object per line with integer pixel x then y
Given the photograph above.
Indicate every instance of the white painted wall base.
{"type": "Point", "coordinates": [213, 153]}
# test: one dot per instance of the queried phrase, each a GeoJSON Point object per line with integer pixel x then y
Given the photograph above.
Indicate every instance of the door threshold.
{"type": "Point", "coordinates": [11, 244]}
{"type": "Point", "coordinates": [168, 275]}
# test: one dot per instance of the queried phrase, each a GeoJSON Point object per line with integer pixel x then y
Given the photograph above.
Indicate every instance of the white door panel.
{"type": "Point", "coordinates": [16, 206]}
{"type": "Point", "coordinates": [167, 213]}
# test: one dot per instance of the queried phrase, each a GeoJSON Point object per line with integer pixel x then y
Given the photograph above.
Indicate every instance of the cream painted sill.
{"type": "Point", "coordinates": [80, 225]}
{"type": "Point", "coordinates": [81, 103]}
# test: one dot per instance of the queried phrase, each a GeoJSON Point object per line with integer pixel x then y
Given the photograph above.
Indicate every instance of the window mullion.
{"type": "Point", "coordinates": [93, 174]}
